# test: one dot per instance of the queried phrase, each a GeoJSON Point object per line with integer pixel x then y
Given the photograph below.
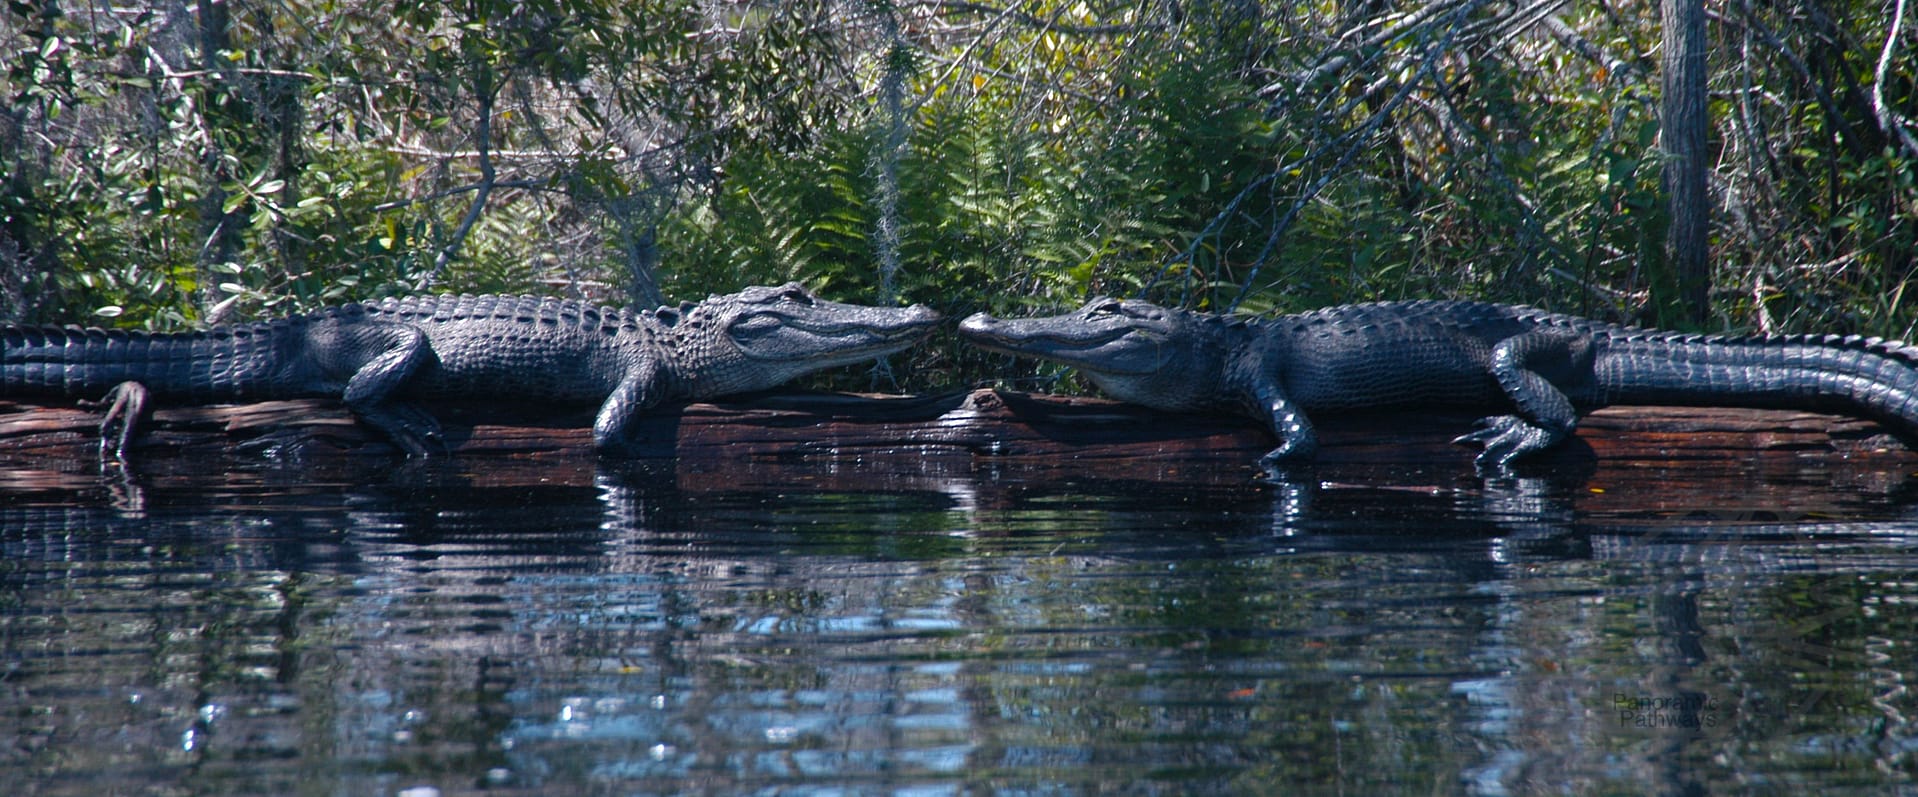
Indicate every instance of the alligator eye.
{"type": "Point", "coordinates": [757, 323]}
{"type": "Point", "coordinates": [797, 295]}
{"type": "Point", "coordinates": [1109, 307]}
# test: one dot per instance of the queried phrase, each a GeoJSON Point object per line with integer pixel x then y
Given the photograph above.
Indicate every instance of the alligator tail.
{"type": "Point", "coordinates": [233, 363]}
{"type": "Point", "coordinates": [1868, 377]}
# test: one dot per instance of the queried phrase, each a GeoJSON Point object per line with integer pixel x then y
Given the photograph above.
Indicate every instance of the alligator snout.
{"type": "Point", "coordinates": [920, 314]}
{"type": "Point", "coordinates": [978, 324]}
{"type": "Point", "coordinates": [916, 321]}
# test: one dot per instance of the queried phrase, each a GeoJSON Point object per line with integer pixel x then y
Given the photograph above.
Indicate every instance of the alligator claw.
{"type": "Point", "coordinates": [414, 445]}
{"type": "Point", "coordinates": [432, 444]}
{"type": "Point", "coordinates": [126, 416]}
{"type": "Point", "coordinates": [408, 427]}
{"type": "Point", "coordinates": [1284, 473]}
{"type": "Point", "coordinates": [1295, 448]}
{"type": "Point", "coordinates": [1505, 439]}
{"type": "Point", "coordinates": [425, 442]}
{"type": "Point", "coordinates": [1284, 464]}
{"type": "Point", "coordinates": [1477, 437]}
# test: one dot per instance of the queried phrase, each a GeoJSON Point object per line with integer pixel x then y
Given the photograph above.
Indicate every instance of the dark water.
{"type": "Point", "coordinates": [447, 632]}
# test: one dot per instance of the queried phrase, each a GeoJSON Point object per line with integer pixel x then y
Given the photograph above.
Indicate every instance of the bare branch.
{"type": "Point", "coordinates": [1827, 104]}
{"type": "Point", "coordinates": [1341, 58]}
{"type": "Point", "coordinates": [1352, 142]}
{"type": "Point", "coordinates": [1615, 68]}
{"type": "Point", "coordinates": [525, 185]}
{"type": "Point", "coordinates": [1894, 124]}
{"type": "Point", "coordinates": [486, 93]}
{"type": "Point", "coordinates": [1050, 25]}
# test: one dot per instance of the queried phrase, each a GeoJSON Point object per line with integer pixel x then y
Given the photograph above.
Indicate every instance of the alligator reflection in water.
{"type": "Point", "coordinates": [649, 631]}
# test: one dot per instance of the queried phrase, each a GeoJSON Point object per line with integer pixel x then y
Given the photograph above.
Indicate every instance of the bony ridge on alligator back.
{"type": "Point", "coordinates": [1537, 372]}
{"type": "Point", "coordinates": [386, 357]}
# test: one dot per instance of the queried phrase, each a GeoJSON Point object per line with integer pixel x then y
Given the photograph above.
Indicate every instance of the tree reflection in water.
{"type": "Point", "coordinates": [653, 631]}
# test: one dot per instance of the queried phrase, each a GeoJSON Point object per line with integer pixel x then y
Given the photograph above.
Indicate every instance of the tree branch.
{"type": "Point", "coordinates": [1889, 120]}
{"type": "Point", "coordinates": [1353, 141]}
{"type": "Point", "coordinates": [1049, 25]}
{"type": "Point", "coordinates": [525, 185]}
{"type": "Point", "coordinates": [1339, 59]}
{"type": "Point", "coordinates": [1827, 104]}
{"type": "Point", "coordinates": [486, 94]}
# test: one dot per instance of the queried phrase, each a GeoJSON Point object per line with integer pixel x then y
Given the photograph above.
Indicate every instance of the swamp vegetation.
{"type": "Point", "coordinates": [173, 163]}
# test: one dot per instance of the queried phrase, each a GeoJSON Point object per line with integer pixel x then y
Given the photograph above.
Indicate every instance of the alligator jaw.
{"type": "Point", "coordinates": [1061, 339]}
{"type": "Point", "coordinates": [832, 332]}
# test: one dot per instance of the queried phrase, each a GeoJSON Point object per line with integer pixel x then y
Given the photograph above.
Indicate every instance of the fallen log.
{"type": "Point", "coordinates": [963, 430]}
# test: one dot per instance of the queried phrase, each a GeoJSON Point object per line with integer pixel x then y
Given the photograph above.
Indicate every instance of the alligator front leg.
{"type": "Point", "coordinates": [372, 393]}
{"type": "Point", "coordinates": [1535, 370]}
{"type": "Point", "coordinates": [1297, 440]}
{"type": "Point", "coordinates": [643, 389]}
{"type": "Point", "coordinates": [127, 412]}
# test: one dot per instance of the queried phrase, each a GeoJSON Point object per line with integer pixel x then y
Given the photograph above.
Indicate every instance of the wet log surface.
{"type": "Point", "coordinates": [1764, 462]}
{"type": "Point", "coordinates": [981, 424]}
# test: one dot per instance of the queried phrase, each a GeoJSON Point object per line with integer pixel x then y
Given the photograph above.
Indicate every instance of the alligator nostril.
{"type": "Point", "coordinates": [977, 322]}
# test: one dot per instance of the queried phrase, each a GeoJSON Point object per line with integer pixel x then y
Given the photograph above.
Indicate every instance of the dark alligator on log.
{"type": "Point", "coordinates": [1540, 371]}
{"type": "Point", "coordinates": [384, 358]}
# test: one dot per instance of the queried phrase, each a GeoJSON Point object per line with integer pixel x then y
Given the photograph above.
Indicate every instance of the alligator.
{"type": "Point", "coordinates": [1538, 371]}
{"type": "Point", "coordinates": [385, 358]}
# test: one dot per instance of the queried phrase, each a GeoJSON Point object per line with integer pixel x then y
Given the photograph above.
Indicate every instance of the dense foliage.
{"type": "Point", "coordinates": [170, 163]}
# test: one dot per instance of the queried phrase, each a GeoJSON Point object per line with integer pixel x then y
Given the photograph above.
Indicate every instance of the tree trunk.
{"type": "Point", "coordinates": [220, 229]}
{"type": "Point", "coordinates": [1683, 124]}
